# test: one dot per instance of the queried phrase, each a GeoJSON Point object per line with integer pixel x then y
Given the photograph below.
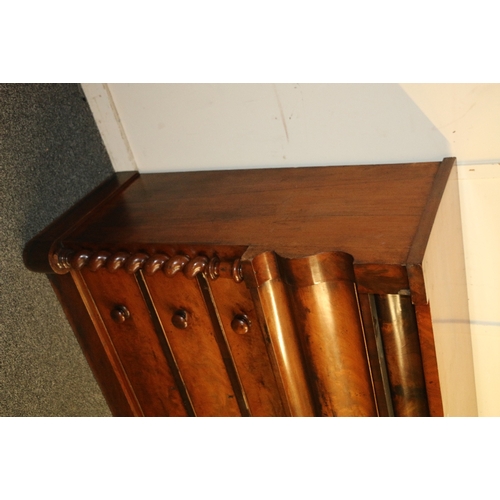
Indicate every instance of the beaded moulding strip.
{"type": "Point", "coordinates": [66, 259]}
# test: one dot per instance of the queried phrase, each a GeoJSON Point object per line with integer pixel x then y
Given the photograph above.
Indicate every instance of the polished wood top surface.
{"type": "Point", "coordinates": [371, 212]}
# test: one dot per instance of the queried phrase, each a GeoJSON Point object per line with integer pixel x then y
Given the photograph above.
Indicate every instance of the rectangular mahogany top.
{"type": "Point", "coordinates": [372, 212]}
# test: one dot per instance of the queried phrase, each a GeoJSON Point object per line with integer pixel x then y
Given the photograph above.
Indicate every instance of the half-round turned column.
{"type": "Point", "coordinates": [327, 315]}
{"type": "Point", "coordinates": [271, 299]}
{"type": "Point", "coordinates": [399, 330]}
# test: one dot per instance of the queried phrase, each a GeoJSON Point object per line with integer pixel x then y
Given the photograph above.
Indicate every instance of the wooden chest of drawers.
{"type": "Point", "coordinates": [319, 291]}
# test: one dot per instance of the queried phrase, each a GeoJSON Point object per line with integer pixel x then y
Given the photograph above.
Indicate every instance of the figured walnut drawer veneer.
{"type": "Point", "coordinates": [323, 291]}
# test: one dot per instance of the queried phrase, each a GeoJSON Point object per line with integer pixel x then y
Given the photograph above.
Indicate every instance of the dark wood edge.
{"type": "Point", "coordinates": [91, 345]}
{"type": "Point", "coordinates": [417, 284]}
{"type": "Point", "coordinates": [381, 278]}
{"type": "Point", "coordinates": [421, 238]}
{"type": "Point", "coordinates": [37, 251]}
{"type": "Point", "coordinates": [419, 243]}
{"type": "Point", "coordinates": [429, 360]}
{"type": "Point", "coordinates": [418, 289]}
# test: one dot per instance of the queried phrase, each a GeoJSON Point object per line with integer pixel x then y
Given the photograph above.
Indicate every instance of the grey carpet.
{"type": "Point", "coordinates": [51, 154]}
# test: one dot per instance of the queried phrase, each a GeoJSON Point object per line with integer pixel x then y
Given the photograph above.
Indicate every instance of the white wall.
{"type": "Point", "coordinates": [183, 126]}
{"type": "Point", "coordinates": [214, 126]}
{"type": "Point", "coordinates": [467, 115]}
{"type": "Point", "coordinates": [166, 127]}
{"type": "Point", "coordinates": [480, 199]}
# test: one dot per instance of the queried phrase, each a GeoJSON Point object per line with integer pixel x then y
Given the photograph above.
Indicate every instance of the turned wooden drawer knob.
{"type": "Point", "coordinates": [240, 324]}
{"type": "Point", "coordinates": [179, 319]}
{"type": "Point", "coordinates": [120, 314]}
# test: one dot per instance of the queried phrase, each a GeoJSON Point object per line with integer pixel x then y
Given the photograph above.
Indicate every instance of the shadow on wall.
{"type": "Point", "coordinates": [213, 126]}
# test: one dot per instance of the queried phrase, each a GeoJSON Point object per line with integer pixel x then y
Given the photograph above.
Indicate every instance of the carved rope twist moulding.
{"type": "Point", "coordinates": [66, 259]}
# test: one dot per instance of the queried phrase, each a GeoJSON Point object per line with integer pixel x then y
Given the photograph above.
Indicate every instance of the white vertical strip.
{"type": "Point", "coordinates": [480, 200]}
{"type": "Point", "coordinates": [109, 124]}
{"type": "Point", "coordinates": [445, 277]}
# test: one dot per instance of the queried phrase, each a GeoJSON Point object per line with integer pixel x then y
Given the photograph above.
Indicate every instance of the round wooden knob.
{"type": "Point", "coordinates": [240, 324]}
{"type": "Point", "coordinates": [120, 314]}
{"type": "Point", "coordinates": [179, 319]}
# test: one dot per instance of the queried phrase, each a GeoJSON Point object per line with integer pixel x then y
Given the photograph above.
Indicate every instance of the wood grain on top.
{"type": "Point", "coordinates": [371, 212]}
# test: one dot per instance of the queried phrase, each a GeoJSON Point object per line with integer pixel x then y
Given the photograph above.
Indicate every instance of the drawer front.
{"type": "Point", "coordinates": [248, 347]}
{"type": "Point", "coordinates": [138, 344]}
{"type": "Point", "coordinates": [197, 345]}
